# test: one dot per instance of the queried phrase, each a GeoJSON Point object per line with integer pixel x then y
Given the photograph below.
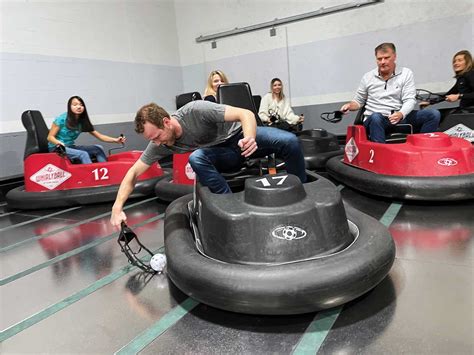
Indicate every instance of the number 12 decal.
{"type": "Point", "coordinates": [267, 183]}
{"type": "Point", "coordinates": [103, 171]}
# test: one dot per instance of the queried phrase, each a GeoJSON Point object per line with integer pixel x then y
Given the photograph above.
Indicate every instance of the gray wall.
{"type": "Point", "coordinates": [116, 54]}
{"type": "Point", "coordinates": [139, 51]}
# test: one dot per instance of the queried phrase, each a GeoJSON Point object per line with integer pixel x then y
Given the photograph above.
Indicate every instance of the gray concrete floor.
{"type": "Point", "coordinates": [67, 288]}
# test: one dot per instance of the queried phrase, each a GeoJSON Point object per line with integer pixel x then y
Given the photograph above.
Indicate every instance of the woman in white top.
{"type": "Point", "coordinates": [275, 109]}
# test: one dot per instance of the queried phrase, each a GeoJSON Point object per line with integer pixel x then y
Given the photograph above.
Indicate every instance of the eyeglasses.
{"type": "Point", "coordinates": [131, 247]}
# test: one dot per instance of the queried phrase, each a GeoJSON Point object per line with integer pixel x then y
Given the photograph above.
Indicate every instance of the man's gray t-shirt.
{"type": "Point", "coordinates": [203, 125]}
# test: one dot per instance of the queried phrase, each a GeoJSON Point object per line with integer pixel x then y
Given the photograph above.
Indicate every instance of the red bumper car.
{"type": "Point", "coordinates": [52, 180]}
{"type": "Point", "coordinates": [430, 166]}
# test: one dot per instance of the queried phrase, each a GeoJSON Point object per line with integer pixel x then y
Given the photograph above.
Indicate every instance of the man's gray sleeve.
{"type": "Point", "coordinates": [408, 94]}
{"type": "Point", "coordinates": [153, 153]}
{"type": "Point", "coordinates": [362, 92]}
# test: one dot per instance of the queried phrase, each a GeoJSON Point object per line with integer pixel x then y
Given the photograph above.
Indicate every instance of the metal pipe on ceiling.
{"type": "Point", "coordinates": [277, 22]}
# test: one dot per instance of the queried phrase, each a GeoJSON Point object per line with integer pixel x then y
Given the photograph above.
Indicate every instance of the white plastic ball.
{"type": "Point", "coordinates": [158, 262]}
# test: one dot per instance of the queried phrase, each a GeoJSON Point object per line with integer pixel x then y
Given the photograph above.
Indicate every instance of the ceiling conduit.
{"type": "Point", "coordinates": [277, 22]}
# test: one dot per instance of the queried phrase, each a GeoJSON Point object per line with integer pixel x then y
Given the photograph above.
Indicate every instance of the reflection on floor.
{"type": "Point", "coordinates": [67, 288]}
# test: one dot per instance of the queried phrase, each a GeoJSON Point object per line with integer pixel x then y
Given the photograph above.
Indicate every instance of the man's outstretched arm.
{"type": "Point", "coordinates": [350, 106]}
{"type": "Point", "coordinates": [125, 189]}
{"type": "Point", "coordinates": [249, 128]}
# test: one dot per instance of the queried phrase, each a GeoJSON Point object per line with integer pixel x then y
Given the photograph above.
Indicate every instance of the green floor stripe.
{"type": "Point", "coordinates": [322, 323]}
{"type": "Point", "coordinates": [41, 236]}
{"type": "Point", "coordinates": [38, 219]}
{"type": "Point", "coordinates": [71, 253]}
{"type": "Point", "coordinates": [8, 213]}
{"type": "Point", "coordinates": [168, 320]}
{"type": "Point", "coordinates": [45, 313]}
{"type": "Point", "coordinates": [317, 331]}
{"type": "Point", "coordinates": [310, 342]}
{"type": "Point", "coordinates": [390, 214]}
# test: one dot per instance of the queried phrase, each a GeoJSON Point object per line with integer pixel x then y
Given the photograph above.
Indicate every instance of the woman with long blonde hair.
{"type": "Point", "coordinates": [216, 78]}
{"type": "Point", "coordinates": [275, 109]}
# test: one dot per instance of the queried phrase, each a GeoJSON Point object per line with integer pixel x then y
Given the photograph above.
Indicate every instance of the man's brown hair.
{"type": "Point", "coordinates": [151, 113]}
{"type": "Point", "coordinates": [384, 47]}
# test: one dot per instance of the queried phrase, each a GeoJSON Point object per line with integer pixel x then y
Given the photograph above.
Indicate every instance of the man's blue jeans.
{"type": "Point", "coordinates": [424, 121]}
{"type": "Point", "coordinates": [227, 156]}
{"type": "Point", "coordinates": [84, 153]}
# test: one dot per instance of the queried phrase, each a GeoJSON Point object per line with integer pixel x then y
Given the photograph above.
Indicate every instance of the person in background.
{"type": "Point", "coordinates": [463, 89]}
{"type": "Point", "coordinates": [69, 125]}
{"type": "Point", "coordinates": [220, 138]}
{"type": "Point", "coordinates": [216, 78]}
{"type": "Point", "coordinates": [388, 93]}
{"type": "Point", "coordinates": [275, 109]}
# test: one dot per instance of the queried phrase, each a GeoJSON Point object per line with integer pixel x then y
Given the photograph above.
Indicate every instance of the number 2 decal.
{"type": "Point", "coordinates": [104, 174]}
{"type": "Point", "coordinates": [267, 183]}
{"type": "Point", "coordinates": [372, 154]}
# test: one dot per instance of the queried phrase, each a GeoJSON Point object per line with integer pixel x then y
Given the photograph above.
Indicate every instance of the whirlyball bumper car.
{"type": "Point", "coordinates": [459, 123]}
{"type": "Point", "coordinates": [277, 247]}
{"type": "Point", "coordinates": [181, 182]}
{"type": "Point", "coordinates": [318, 147]}
{"type": "Point", "coordinates": [52, 180]}
{"type": "Point", "coordinates": [429, 166]}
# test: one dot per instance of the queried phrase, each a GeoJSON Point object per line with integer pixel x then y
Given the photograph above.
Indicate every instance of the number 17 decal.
{"type": "Point", "coordinates": [266, 183]}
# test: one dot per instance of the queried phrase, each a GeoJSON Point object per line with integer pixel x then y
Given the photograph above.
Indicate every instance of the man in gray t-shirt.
{"type": "Point", "coordinates": [203, 126]}
{"type": "Point", "coordinates": [220, 137]}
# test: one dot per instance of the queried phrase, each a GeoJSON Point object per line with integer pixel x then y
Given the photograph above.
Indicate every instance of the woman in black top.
{"type": "Point", "coordinates": [216, 78]}
{"type": "Point", "coordinates": [463, 90]}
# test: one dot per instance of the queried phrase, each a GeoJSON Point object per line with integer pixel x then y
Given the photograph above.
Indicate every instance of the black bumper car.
{"type": "Point", "coordinates": [172, 186]}
{"type": "Point", "coordinates": [459, 123]}
{"type": "Point", "coordinates": [278, 247]}
{"type": "Point", "coordinates": [318, 147]}
{"type": "Point", "coordinates": [455, 122]}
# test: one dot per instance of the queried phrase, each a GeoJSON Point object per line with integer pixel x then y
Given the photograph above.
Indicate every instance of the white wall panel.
{"type": "Point", "coordinates": [389, 15]}
{"type": "Point", "coordinates": [205, 17]}
{"type": "Point", "coordinates": [120, 54]}
{"type": "Point", "coordinates": [327, 55]}
{"type": "Point", "coordinates": [139, 31]}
